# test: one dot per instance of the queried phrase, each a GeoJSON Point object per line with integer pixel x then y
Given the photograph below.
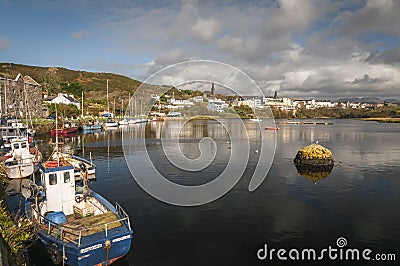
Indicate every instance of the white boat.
{"type": "Point", "coordinates": [255, 119]}
{"type": "Point", "coordinates": [110, 123]}
{"type": "Point", "coordinates": [123, 122]}
{"type": "Point", "coordinates": [21, 159]}
{"type": "Point", "coordinates": [76, 162]}
{"type": "Point", "coordinates": [133, 121]}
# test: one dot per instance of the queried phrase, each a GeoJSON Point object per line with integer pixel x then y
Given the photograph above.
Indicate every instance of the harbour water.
{"type": "Point", "coordinates": [358, 200]}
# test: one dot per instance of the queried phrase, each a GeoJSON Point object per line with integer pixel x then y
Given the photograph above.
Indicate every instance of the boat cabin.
{"type": "Point", "coordinates": [20, 149]}
{"type": "Point", "coordinates": [59, 186]}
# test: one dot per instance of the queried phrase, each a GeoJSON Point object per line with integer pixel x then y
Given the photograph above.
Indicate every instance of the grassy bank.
{"type": "Point", "coordinates": [14, 233]}
{"type": "Point", "coordinates": [382, 119]}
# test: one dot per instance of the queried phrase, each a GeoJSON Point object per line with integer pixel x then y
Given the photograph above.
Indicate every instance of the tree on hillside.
{"type": "Point", "coordinates": [50, 83]}
{"type": "Point", "coordinates": [74, 88]}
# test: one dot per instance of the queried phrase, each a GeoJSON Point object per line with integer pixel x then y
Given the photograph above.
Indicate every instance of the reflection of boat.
{"type": "Point", "coordinates": [314, 173]}
{"type": "Point", "coordinates": [76, 225]}
{"type": "Point", "coordinates": [272, 128]}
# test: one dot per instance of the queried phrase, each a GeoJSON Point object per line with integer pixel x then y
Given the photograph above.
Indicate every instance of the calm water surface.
{"type": "Point", "coordinates": [358, 200]}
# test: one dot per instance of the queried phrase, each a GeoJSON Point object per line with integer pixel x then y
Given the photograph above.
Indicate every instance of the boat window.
{"type": "Point", "coordinates": [23, 145]}
{"type": "Point", "coordinates": [53, 179]}
{"type": "Point", "coordinates": [15, 146]}
{"type": "Point", "coordinates": [67, 177]}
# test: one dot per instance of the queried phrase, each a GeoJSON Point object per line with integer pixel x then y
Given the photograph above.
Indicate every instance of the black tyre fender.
{"type": "Point", "coordinates": [79, 198]}
{"type": "Point", "coordinates": [54, 254]}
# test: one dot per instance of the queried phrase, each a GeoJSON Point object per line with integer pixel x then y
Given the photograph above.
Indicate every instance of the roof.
{"type": "Point", "coordinates": [49, 98]}
{"type": "Point", "coordinates": [71, 99]}
{"type": "Point", "coordinates": [29, 80]}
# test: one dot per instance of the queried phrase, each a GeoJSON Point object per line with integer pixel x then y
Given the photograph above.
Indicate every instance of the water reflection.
{"type": "Point", "coordinates": [355, 200]}
{"type": "Point", "coordinates": [314, 173]}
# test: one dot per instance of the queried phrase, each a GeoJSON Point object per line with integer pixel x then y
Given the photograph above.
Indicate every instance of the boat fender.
{"type": "Point", "coordinates": [54, 254]}
{"type": "Point", "coordinates": [79, 199]}
{"type": "Point", "coordinates": [82, 166]}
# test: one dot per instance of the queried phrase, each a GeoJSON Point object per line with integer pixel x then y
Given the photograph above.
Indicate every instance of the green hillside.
{"type": "Point", "coordinates": [57, 79]}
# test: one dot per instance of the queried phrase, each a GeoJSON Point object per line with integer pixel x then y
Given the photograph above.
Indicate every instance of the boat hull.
{"type": "Point", "coordinates": [19, 170]}
{"type": "Point", "coordinates": [91, 127]}
{"type": "Point", "coordinates": [94, 253]}
{"type": "Point", "coordinates": [101, 248]}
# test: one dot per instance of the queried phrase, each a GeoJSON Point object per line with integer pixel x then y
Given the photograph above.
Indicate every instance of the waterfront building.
{"type": "Point", "coordinates": [20, 97]}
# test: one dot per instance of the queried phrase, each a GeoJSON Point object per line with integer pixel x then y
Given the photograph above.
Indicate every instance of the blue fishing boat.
{"type": "Point", "coordinates": [91, 127]}
{"type": "Point", "coordinates": [75, 224]}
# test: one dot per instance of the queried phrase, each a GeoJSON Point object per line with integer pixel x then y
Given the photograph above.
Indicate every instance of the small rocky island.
{"type": "Point", "coordinates": [314, 155]}
{"type": "Point", "coordinates": [314, 162]}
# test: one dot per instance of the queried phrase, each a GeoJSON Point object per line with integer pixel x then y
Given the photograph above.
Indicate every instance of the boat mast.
{"type": "Point", "coordinates": [5, 95]}
{"type": "Point", "coordinates": [28, 110]}
{"type": "Point", "coordinates": [122, 108]}
{"type": "Point", "coordinates": [82, 104]}
{"type": "Point", "coordinates": [129, 105]}
{"type": "Point", "coordinates": [58, 158]}
{"type": "Point", "coordinates": [113, 109]}
{"type": "Point", "coordinates": [108, 105]}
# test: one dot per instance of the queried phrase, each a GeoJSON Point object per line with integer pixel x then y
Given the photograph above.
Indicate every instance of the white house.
{"type": "Point", "coordinates": [217, 105]}
{"type": "Point", "coordinates": [62, 98]}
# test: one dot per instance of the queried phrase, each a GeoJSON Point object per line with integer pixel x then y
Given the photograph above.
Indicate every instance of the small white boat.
{"type": "Point", "coordinates": [123, 122]}
{"type": "Point", "coordinates": [20, 160]}
{"type": "Point", "coordinates": [255, 119]}
{"type": "Point", "coordinates": [110, 123]}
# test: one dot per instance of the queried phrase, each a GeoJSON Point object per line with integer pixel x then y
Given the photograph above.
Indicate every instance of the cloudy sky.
{"type": "Point", "coordinates": [300, 48]}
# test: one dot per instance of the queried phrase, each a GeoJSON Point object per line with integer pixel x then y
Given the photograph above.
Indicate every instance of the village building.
{"type": "Point", "coordinates": [62, 98]}
{"type": "Point", "coordinates": [21, 97]}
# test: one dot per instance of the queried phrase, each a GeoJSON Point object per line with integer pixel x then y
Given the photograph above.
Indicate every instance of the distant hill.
{"type": "Point", "coordinates": [360, 100]}
{"type": "Point", "coordinates": [392, 101]}
{"type": "Point", "coordinates": [93, 83]}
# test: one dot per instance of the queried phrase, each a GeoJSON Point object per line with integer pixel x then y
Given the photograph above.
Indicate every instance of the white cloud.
{"type": "Point", "coordinates": [205, 29]}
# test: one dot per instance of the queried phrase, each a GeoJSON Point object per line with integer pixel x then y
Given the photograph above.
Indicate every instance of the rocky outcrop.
{"type": "Point", "coordinates": [314, 155]}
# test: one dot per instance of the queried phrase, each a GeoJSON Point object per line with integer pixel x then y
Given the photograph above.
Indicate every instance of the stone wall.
{"type": "Point", "coordinates": [20, 96]}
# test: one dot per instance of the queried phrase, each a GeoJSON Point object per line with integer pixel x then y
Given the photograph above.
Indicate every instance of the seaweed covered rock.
{"type": "Point", "coordinates": [314, 155]}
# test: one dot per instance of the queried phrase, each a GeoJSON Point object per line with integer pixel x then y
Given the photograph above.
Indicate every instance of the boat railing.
{"type": "Point", "coordinates": [123, 214]}
{"type": "Point", "coordinates": [66, 233]}
{"type": "Point", "coordinates": [103, 227]}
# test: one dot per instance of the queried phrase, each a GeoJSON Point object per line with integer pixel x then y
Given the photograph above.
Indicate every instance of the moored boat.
{"type": "Point", "coordinates": [76, 225]}
{"type": "Point", "coordinates": [110, 123]}
{"type": "Point", "coordinates": [63, 131]}
{"type": "Point", "coordinates": [76, 162]}
{"type": "Point", "coordinates": [123, 122]}
{"type": "Point", "coordinates": [272, 128]}
{"type": "Point", "coordinates": [20, 161]}
{"type": "Point", "coordinates": [91, 127]}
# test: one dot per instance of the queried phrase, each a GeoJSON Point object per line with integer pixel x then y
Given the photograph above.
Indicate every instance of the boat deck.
{"type": "Point", "coordinates": [87, 225]}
